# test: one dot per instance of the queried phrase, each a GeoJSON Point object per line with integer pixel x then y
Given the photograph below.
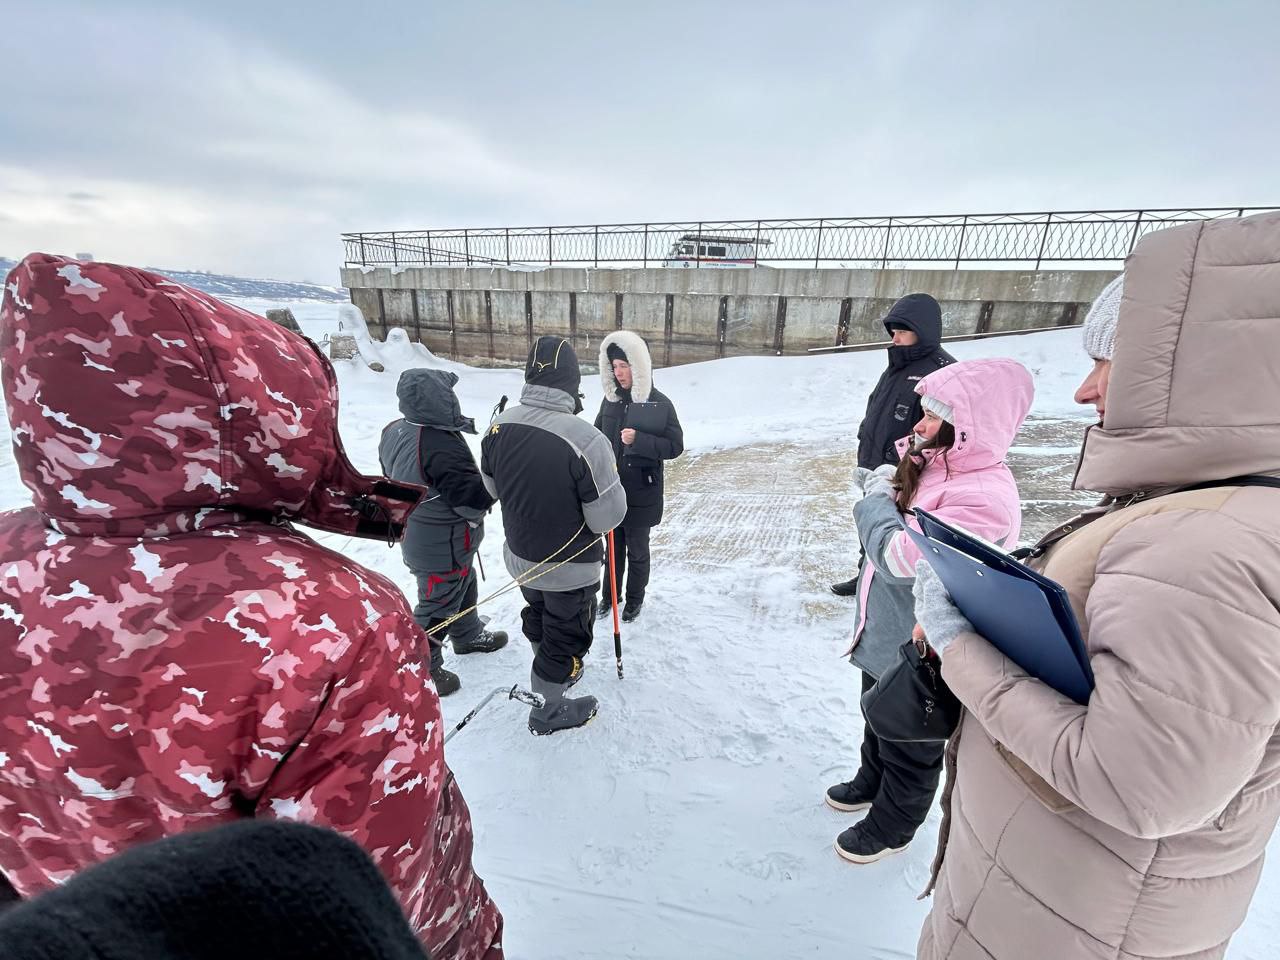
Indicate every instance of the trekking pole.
{"type": "Point", "coordinates": [480, 563]}
{"type": "Point", "coordinates": [613, 590]}
{"type": "Point", "coordinates": [515, 693]}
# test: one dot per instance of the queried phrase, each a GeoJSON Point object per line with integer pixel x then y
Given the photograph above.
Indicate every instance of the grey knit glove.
{"type": "Point", "coordinates": [937, 615]}
{"type": "Point", "coordinates": [860, 477]}
{"type": "Point", "coordinates": [881, 481]}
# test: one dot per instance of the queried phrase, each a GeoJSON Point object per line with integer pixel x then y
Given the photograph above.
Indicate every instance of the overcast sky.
{"type": "Point", "coordinates": [244, 136]}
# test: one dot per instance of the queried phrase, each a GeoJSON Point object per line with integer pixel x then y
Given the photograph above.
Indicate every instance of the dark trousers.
{"type": "Point", "coordinates": [559, 626]}
{"type": "Point", "coordinates": [630, 554]}
{"type": "Point", "coordinates": [903, 777]}
{"type": "Point", "coordinates": [429, 612]}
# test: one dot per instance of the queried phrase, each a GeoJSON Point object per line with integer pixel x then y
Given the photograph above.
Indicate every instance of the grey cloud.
{"type": "Point", "coordinates": [413, 115]}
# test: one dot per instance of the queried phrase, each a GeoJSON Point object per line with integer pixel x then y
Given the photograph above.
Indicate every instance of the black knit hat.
{"type": "Point", "coordinates": [253, 888]}
{"type": "Point", "coordinates": [553, 363]}
{"type": "Point", "coordinates": [615, 352]}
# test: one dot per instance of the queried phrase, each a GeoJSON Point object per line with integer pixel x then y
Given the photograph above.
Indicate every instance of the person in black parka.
{"type": "Point", "coordinates": [914, 324]}
{"type": "Point", "coordinates": [641, 424]}
{"type": "Point", "coordinates": [425, 446]}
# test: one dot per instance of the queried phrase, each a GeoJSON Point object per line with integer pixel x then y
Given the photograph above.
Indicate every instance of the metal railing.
{"type": "Point", "coordinates": [1097, 236]}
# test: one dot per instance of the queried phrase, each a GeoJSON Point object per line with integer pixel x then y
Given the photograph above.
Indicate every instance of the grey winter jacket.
{"type": "Point", "coordinates": [559, 487]}
{"type": "Point", "coordinates": [426, 447]}
{"type": "Point", "coordinates": [890, 612]}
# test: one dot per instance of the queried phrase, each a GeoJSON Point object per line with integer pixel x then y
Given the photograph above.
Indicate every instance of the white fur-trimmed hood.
{"type": "Point", "coordinates": [637, 352]}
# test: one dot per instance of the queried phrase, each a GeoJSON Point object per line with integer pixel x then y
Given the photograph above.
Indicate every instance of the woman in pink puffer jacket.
{"type": "Point", "coordinates": [953, 466]}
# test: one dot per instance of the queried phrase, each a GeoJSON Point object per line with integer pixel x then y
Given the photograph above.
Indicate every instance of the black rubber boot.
{"type": "Point", "coordinates": [560, 712]}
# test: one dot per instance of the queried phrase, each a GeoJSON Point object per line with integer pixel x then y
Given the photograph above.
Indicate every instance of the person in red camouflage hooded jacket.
{"type": "Point", "coordinates": [173, 653]}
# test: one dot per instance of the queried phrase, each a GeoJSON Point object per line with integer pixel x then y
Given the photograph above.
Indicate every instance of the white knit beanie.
{"type": "Point", "coordinates": [1100, 323]}
{"type": "Point", "coordinates": [939, 409]}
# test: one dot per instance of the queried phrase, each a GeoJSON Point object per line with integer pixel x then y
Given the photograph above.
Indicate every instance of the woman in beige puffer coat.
{"type": "Point", "coordinates": [1135, 827]}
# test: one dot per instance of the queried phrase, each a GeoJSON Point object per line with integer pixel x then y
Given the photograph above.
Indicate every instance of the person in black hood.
{"type": "Point", "coordinates": [442, 538]}
{"type": "Point", "coordinates": [914, 324]}
{"type": "Point", "coordinates": [641, 424]}
{"type": "Point", "coordinates": [559, 488]}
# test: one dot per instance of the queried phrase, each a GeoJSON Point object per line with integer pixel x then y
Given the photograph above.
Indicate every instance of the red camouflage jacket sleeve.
{"type": "Point", "coordinates": [371, 765]}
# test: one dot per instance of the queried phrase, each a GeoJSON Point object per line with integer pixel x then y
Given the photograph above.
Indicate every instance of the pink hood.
{"type": "Point", "coordinates": [990, 399]}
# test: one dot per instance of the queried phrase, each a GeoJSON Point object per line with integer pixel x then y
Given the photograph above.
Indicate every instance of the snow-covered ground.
{"type": "Point", "coordinates": [687, 819]}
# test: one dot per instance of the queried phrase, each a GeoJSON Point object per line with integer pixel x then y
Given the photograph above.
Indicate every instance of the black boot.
{"type": "Point", "coordinates": [559, 712]}
{"type": "Point", "coordinates": [846, 589]}
{"type": "Point", "coordinates": [447, 681]}
{"type": "Point", "coordinates": [849, 797]}
{"type": "Point", "coordinates": [631, 610]}
{"type": "Point", "coordinates": [486, 641]}
{"type": "Point", "coordinates": [860, 844]}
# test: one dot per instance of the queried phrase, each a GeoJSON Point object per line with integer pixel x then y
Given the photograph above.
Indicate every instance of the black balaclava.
{"type": "Point", "coordinates": [553, 363]}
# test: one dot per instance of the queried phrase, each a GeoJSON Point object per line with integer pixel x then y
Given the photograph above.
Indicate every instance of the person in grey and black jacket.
{"type": "Point", "coordinates": [559, 488]}
{"type": "Point", "coordinates": [425, 446]}
{"type": "Point", "coordinates": [626, 374]}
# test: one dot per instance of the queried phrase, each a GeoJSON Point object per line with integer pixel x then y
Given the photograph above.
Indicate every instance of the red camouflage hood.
{"type": "Point", "coordinates": [142, 407]}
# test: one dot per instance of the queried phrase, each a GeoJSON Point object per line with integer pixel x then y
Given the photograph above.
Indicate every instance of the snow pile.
{"type": "Point", "coordinates": [395, 355]}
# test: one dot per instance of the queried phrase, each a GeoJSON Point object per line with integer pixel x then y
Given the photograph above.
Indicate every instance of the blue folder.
{"type": "Point", "coordinates": [1024, 615]}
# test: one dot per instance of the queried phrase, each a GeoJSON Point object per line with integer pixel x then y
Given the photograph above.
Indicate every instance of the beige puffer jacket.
{"type": "Point", "coordinates": [1135, 828]}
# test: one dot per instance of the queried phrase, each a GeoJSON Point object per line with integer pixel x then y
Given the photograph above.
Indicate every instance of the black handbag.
{"type": "Point", "coordinates": [910, 703]}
